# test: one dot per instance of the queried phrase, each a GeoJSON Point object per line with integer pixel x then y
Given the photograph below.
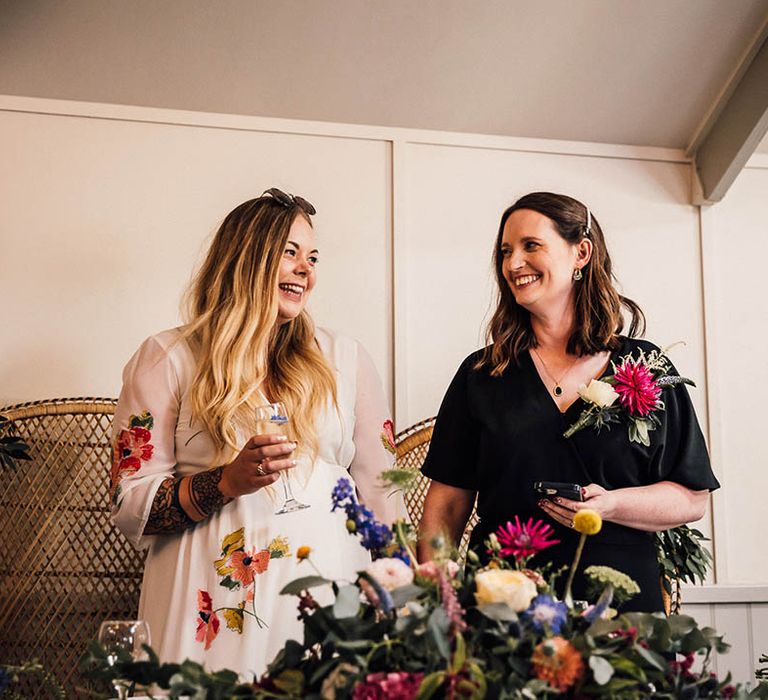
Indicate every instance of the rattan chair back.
{"type": "Point", "coordinates": [64, 567]}
{"type": "Point", "coordinates": [412, 446]}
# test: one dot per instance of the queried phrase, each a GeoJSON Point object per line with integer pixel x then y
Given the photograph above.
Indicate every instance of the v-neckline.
{"type": "Point", "coordinates": [551, 400]}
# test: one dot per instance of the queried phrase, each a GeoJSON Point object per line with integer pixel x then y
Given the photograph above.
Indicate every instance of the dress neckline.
{"type": "Point", "coordinates": [542, 387]}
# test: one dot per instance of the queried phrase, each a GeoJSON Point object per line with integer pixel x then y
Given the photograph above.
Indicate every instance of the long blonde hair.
{"type": "Point", "coordinates": [242, 351]}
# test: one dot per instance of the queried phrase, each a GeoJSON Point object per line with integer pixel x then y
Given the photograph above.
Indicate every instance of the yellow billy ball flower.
{"type": "Point", "coordinates": [303, 552]}
{"type": "Point", "coordinates": [587, 522]}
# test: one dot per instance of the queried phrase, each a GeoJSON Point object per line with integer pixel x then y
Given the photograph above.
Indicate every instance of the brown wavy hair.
{"type": "Point", "coordinates": [233, 329]}
{"type": "Point", "coordinates": [598, 318]}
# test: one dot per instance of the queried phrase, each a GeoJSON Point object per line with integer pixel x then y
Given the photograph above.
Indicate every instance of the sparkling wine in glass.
{"type": "Point", "coordinates": [272, 419]}
{"type": "Point", "coordinates": [121, 637]}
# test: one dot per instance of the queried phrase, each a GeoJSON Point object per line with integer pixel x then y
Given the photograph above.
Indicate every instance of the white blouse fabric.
{"type": "Point", "coordinates": [212, 593]}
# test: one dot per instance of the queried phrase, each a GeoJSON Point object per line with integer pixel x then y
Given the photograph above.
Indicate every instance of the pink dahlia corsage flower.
{"type": "Point", "coordinates": [637, 388]}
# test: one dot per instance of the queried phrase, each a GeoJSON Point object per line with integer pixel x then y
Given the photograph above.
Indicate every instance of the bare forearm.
{"type": "Point", "coordinates": [656, 506]}
{"type": "Point", "coordinates": [446, 511]}
{"type": "Point", "coordinates": [181, 503]}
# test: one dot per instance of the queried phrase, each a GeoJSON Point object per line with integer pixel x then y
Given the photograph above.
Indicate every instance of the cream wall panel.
{"type": "Point", "coordinates": [733, 622]}
{"type": "Point", "coordinates": [454, 200]}
{"type": "Point", "coordinates": [103, 220]}
{"type": "Point", "coordinates": [737, 249]}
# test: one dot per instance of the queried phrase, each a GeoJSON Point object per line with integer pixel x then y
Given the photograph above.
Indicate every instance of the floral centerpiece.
{"type": "Point", "coordinates": [406, 630]}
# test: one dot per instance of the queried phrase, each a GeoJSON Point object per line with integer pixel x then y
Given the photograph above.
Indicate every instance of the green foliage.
{"type": "Point", "coordinates": [11, 675]}
{"type": "Point", "coordinates": [12, 448]}
{"type": "Point", "coordinates": [682, 556]}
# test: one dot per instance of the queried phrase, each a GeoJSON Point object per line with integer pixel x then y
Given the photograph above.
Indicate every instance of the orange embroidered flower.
{"type": "Point", "coordinates": [207, 621]}
{"type": "Point", "coordinates": [303, 552]}
{"type": "Point", "coordinates": [557, 662]}
{"type": "Point", "coordinates": [245, 565]}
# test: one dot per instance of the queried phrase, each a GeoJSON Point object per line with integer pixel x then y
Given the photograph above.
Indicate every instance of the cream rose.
{"type": "Point", "coordinates": [391, 573]}
{"type": "Point", "coordinates": [599, 393]}
{"type": "Point", "coordinates": [503, 586]}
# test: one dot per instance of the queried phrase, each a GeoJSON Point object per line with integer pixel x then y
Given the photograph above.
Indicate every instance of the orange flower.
{"type": "Point", "coordinates": [557, 662]}
{"type": "Point", "coordinates": [246, 565]}
{"type": "Point", "coordinates": [303, 552]}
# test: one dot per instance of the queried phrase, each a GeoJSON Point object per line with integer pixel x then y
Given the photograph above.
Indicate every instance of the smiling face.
{"type": "Point", "coordinates": [296, 278]}
{"type": "Point", "coordinates": [538, 263]}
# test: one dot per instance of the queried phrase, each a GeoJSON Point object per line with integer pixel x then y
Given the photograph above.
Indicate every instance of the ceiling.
{"type": "Point", "coordinates": [615, 71]}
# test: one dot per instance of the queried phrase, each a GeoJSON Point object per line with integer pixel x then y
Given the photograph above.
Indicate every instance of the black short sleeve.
{"type": "Point", "coordinates": [453, 450]}
{"type": "Point", "coordinates": [682, 456]}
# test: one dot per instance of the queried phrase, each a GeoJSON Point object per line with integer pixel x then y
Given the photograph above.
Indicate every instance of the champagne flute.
{"type": "Point", "coordinates": [272, 419]}
{"type": "Point", "coordinates": [121, 637]}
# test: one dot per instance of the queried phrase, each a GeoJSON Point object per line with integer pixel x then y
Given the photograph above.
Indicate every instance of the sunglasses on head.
{"type": "Point", "coordinates": [289, 200]}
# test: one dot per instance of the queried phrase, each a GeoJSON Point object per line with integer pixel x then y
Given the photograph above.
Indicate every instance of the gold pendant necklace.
{"type": "Point", "coordinates": [558, 390]}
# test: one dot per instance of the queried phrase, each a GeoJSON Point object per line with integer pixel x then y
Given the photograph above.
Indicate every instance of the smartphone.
{"type": "Point", "coordinates": [551, 489]}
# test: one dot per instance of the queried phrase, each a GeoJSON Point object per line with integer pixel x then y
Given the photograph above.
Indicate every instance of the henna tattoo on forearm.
{"type": "Point", "coordinates": [166, 515]}
{"type": "Point", "coordinates": [181, 503]}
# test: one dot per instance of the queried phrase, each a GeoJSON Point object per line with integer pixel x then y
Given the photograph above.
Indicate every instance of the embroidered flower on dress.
{"type": "Point", "coordinates": [131, 448]}
{"type": "Point", "coordinates": [238, 568]}
{"type": "Point", "coordinates": [246, 565]}
{"type": "Point", "coordinates": [388, 437]}
{"type": "Point", "coordinates": [207, 621]}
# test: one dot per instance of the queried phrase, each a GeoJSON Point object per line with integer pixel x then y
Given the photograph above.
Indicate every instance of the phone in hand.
{"type": "Point", "coordinates": [553, 489]}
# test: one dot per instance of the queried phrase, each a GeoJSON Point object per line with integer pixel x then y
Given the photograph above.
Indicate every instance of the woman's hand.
{"type": "Point", "coordinates": [595, 498]}
{"type": "Point", "coordinates": [258, 465]}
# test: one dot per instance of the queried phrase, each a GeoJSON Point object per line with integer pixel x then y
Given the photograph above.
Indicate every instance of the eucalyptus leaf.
{"type": "Point", "coordinates": [498, 611]}
{"type": "Point", "coordinates": [304, 583]}
{"type": "Point", "coordinates": [438, 625]}
{"type": "Point", "coordinates": [347, 602]}
{"type": "Point", "coordinates": [601, 669]}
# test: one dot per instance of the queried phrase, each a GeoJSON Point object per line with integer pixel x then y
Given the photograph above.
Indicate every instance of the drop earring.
{"type": "Point", "coordinates": [577, 274]}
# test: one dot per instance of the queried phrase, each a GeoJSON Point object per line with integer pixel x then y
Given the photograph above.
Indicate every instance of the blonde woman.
{"type": "Point", "coordinates": [194, 482]}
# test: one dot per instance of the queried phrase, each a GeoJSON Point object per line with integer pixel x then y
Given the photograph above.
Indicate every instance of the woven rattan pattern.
{"type": "Point", "coordinates": [63, 566]}
{"type": "Point", "coordinates": [412, 446]}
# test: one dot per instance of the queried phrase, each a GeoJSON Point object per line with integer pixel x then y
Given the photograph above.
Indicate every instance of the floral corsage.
{"type": "Point", "coordinates": [637, 384]}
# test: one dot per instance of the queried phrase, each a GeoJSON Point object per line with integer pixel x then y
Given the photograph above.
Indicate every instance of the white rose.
{"type": "Point", "coordinates": [599, 393]}
{"type": "Point", "coordinates": [390, 572]}
{"type": "Point", "coordinates": [503, 586]}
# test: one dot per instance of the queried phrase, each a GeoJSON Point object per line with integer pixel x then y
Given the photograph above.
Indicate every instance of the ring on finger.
{"type": "Point", "coordinates": [572, 524]}
{"type": "Point", "coordinates": [260, 468]}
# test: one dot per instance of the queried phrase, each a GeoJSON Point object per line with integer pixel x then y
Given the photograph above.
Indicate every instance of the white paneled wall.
{"type": "Point", "coordinates": [106, 209]}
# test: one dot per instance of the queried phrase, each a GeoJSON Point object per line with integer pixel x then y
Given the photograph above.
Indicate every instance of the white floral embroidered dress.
{"type": "Point", "coordinates": [211, 593]}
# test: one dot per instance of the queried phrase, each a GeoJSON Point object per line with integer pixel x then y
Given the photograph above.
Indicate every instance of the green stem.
{"type": "Point", "coordinates": [572, 573]}
{"type": "Point", "coordinates": [403, 540]}
{"type": "Point", "coordinates": [583, 421]}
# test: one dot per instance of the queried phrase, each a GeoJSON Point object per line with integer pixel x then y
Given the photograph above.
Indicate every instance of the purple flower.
{"type": "Point", "coordinates": [546, 613]}
{"type": "Point", "coordinates": [341, 492]}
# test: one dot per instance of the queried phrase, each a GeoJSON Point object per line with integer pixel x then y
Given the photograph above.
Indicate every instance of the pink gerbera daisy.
{"type": "Point", "coordinates": [524, 540]}
{"type": "Point", "coordinates": [637, 388]}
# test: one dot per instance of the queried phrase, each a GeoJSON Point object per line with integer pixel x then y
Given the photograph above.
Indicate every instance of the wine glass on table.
{"type": "Point", "coordinates": [272, 419]}
{"type": "Point", "coordinates": [121, 639]}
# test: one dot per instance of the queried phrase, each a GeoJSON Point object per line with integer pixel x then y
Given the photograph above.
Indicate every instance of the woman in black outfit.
{"type": "Point", "coordinates": [500, 428]}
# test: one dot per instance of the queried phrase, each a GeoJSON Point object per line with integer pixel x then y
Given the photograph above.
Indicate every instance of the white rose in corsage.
{"type": "Point", "coordinates": [504, 586]}
{"type": "Point", "coordinates": [601, 394]}
{"type": "Point", "coordinates": [390, 572]}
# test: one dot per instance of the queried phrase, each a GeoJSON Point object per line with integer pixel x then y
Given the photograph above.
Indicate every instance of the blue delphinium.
{"type": "Point", "coordinates": [375, 536]}
{"type": "Point", "coordinates": [546, 613]}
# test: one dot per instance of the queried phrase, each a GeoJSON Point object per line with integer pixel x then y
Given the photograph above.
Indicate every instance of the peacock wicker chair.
{"type": "Point", "coordinates": [64, 568]}
{"type": "Point", "coordinates": [412, 445]}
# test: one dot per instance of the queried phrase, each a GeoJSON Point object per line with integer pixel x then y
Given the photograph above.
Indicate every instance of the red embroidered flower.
{"type": "Point", "coordinates": [246, 565]}
{"type": "Point", "coordinates": [208, 622]}
{"type": "Point", "coordinates": [383, 686]}
{"type": "Point", "coordinates": [132, 448]}
{"type": "Point", "coordinates": [388, 437]}
{"type": "Point", "coordinates": [523, 541]}
{"type": "Point", "coordinates": [637, 388]}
